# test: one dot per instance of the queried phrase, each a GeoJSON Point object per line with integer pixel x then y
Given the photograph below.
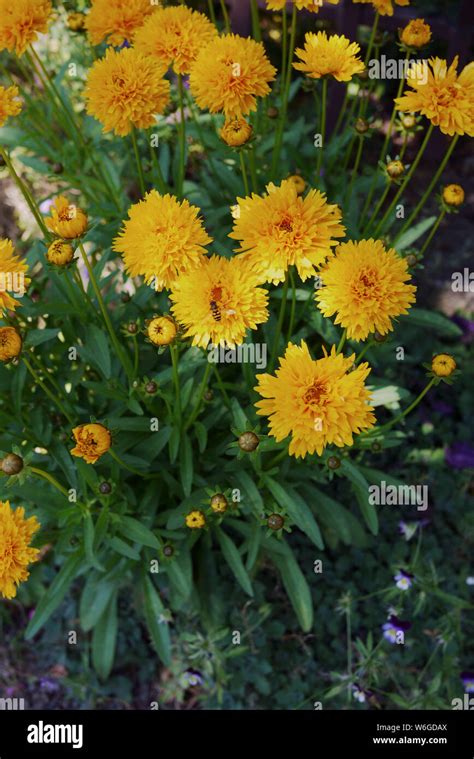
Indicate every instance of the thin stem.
{"type": "Point", "coordinates": [324, 96]}
{"type": "Point", "coordinates": [253, 170]}
{"type": "Point", "coordinates": [78, 279]}
{"type": "Point", "coordinates": [177, 387]}
{"type": "Point", "coordinates": [45, 371]}
{"type": "Point", "coordinates": [26, 194]}
{"type": "Point", "coordinates": [141, 176]}
{"type": "Point", "coordinates": [284, 45]}
{"type": "Point", "coordinates": [410, 407]}
{"type": "Point", "coordinates": [202, 140]}
{"type": "Point", "coordinates": [202, 389]}
{"type": "Point", "coordinates": [433, 232]}
{"type": "Point", "coordinates": [404, 184]}
{"type": "Point", "coordinates": [355, 169]}
{"type": "Point", "coordinates": [372, 38]}
{"type": "Point", "coordinates": [212, 13]}
{"type": "Point", "coordinates": [281, 318]}
{"type": "Point", "coordinates": [349, 651]}
{"type": "Point", "coordinates": [293, 305]}
{"type": "Point", "coordinates": [182, 138]}
{"type": "Point", "coordinates": [47, 391]}
{"type": "Point", "coordinates": [342, 341]}
{"type": "Point", "coordinates": [162, 186]}
{"type": "Point", "coordinates": [135, 355]}
{"type": "Point", "coordinates": [364, 351]}
{"type": "Point", "coordinates": [377, 208]}
{"type": "Point", "coordinates": [49, 478]}
{"type": "Point", "coordinates": [388, 137]}
{"type": "Point", "coordinates": [428, 192]}
{"type": "Point", "coordinates": [226, 16]}
{"type": "Point", "coordinates": [244, 173]}
{"type": "Point", "coordinates": [342, 111]}
{"type": "Point", "coordinates": [285, 95]}
{"type": "Point", "coordinates": [255, 21]}
{"type": "Point", "coordinates": [123, 357]}
{"type": "Point", "coordinates": [220, 385]}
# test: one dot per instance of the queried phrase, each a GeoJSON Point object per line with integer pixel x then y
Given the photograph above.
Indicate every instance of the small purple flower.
{"type": "Point", "coordinates": [467, 326]}
{"type": "Point", "coordinates": [403, 580]}
{"type": "Point", "coordinates": [125, 43]}
{"type": "Point", "coordinates": [48, 685]}
{"type": "Point", "coordinates": [468, 681]}
{"type": "Point", "coordinates": [460, 455]}
{"type": "Point", "coordinates": [408, 529]}
{"type": "Point", "coordinates": [10, 691]}
{"type": "Point", "coordinates": [360, 694]}
{"type": "Point", "coordinates": [45, 206]}
{"type": "Point", "coordinates": [191, 678]}
{"type": "Point", "coordinates": [394, 630]}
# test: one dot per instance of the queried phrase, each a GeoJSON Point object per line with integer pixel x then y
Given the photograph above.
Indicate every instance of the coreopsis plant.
{"type": "Point", "coordinates": [214, 281]}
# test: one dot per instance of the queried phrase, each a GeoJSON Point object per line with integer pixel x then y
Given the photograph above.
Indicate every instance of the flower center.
{"type": "Point", "coordinates": [285, 224]}
{"type": "Point", "coordinates": [314, 393]}
{"type": "Point", "coordinates": [366, 284]}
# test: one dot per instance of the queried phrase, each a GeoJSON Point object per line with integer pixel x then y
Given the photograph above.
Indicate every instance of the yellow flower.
{"type": "Point", "coordinates": [20, 22]}
{"type": "Point", "coordinates": [12, 276]}
{"type": "Point", "coordinates": [446, 98]}
{"type": "Point", "coordinates": [174, 37]}
{"type": "Point", "coordinates": [416, 33]}
{"type": "Point", "coordinates": [10, 105]}
{"type": "Point", "coordinates": [366, 286]}
{"type": "Point", "coordinates": [219, 503]}
{"type": "Point", "coordinates": [453, 195]}
{"type": "Point", "coordinates": [282, 229]}
{"type": "Point", "coordinates": [334, 56]}
{"type": "Point", "coordinates": [443, 365]}
{"type": "Point", "coordinates": [16, 534]}
{"type": "Point", "coordinates": [318, 403]}
{"type": "Point", "coordinates": [162, 330]}
{"type": "Point", "coordinates": [195, 520]}
{"type": "Point", "coordinates": [116, 21]}
{"type": "Point", "coordinates": [299, 183]}
{"type": "Point", "coordinates": [92, 441]}
{"type": "Point", "coordinates": [236, 132]}
{"type": "Point", "coordinates": [60, 253]}
{"type": "Point", "coordinates": [309, 5]}
{"type": "Point", "coordinates": [76, 21]}
{"type": "Point", "coordinates": [162, 239]}
{"type": "Point", "coordinates": [229, 74]}
{"type": "Point", "coordinates": [218, 301]}
{"type": "Point", "coordinates": [10, 343]}
{"type": "Point", "coordinates": [125, 90]}
{"type": "Point", "coordinates": [384, 7]}
{"type": "Point", "coordinates": [395, 169]}
{"type": "Point", "coordinates": [66, 220]}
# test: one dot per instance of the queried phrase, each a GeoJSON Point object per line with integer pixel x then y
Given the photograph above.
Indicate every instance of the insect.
{"type": "Point", "coordinates": [216, 314]}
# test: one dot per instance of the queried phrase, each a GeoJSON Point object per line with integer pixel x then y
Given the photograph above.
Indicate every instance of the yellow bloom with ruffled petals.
{"type": "Point", "coordinates": [92, 441]}
{"type": "Point", "coordinates": [10, 104]}
{"type": "Point", "coordinates": [384, 7]}
{"type": "Point", "coordinates": [316, 403]}
{"type": "Point", "coordinates": [21, 21]}
{"type": "Point", "coordinates": [16, 553]}
{"type": "Point", "coordinates": [116, 21]}
{"type": "Point", "coordinates": [333, 55]}
{"type": "Point", "coordinates": [13, 280]}
{"type": "Point", "coordinates": [67, 220]}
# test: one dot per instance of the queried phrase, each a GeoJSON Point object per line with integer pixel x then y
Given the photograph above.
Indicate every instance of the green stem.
{"type": "Point", "coordinates": [281, 318]}
{"type": "Point", "coordinates": [49, 478]}
{"type": "Point", "coordinates": [197, 407]}
{"type": "Point", "coordinates": [226, 16]}
{"type": "Point", "coordinates": [135, 356]}
{"type": "Point", "coordinates": [324, 97]}
{"type": "Point", "coordinates": [410, 407]}
{"type": "Point", "coordinates": [342, 111]}
{"type": "Point", "coordinates": [382, 156]}
{"type": "Point", "coordinates": [220, 385]}
{"type": "Point", "coordinates": [123, 357]}
{"type": "Point", "coordinates": [45, 372]}
{"type": "Point", "coordinates": [284, 45]}
{"type": "Point", "coordinates": [404, 184]}
{"type": "Point", "coordinates": [342, 341]}
{"type": "Point", "coordinates": [255, 21]}
{"type": "Point", "coordinates": [377, 208]}
{"type": "Point", "coordinates": [182, 138]}
{"type": "Point", "coordinates": [47, 391]}
{"type": "Point", "coordinates": [253, 170]}
{"type": "Point", "coordinates": [177, 387]}
{"type": "Point", "coordinates": [355, 169]}
{"type": "Point", "coordinates": [285, 95]}
{"type": "Point", "coordinates": [372, 38]}
{"type": "Point", "coordinates": [349, 652]}
{"type": "Point", "coordinates": [293, 305]}
{"type": "Point", "coordinates": [433, 232]}
{"type": "Point", "coordinates": [428, 192]}
{"type": "Point", "coordinates": [244, 173]}
{"type": "Point", "coordinates": [364, 351]}
{"type": "Point", "coordinates": [141, 176]}
{"type": "Point", "coordinates": [26, 194]}
{"type": "Point", "coordinates": [212, 13]}
{"type": "Point", "coordinates": [162, 186]}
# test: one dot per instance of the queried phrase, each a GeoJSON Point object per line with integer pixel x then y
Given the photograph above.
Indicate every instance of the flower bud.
{"type": "Point", "coordinates": [248, 442]}
{"type": "Point", "coordinates": [275, 522]}
{"type": "Point", "coordinates": [12, 464]}
{"type": "Point", "coordinates": [219, 503]}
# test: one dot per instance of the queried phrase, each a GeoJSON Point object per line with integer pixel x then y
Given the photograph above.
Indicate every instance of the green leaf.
{"type": "Point", "coordinates": [201, 435]}
{"type": "Point", "coordinates": [159, 632]}
{"type": "Point", "coordinates": [39, 336]}
{"type": "Point", "coordinates": [251, 491]}
{"type": "Point", "coordinates": [297, 588]}
{"type": "Point", "coordinates": [96, 350]}
{"type": "Point", "coordinates": [239, 417]}
{"type": "Point", "coordinates": [332, 513]}
{"type": "Point", "coordinates": [254, 543]}
{"type": "Point", "coordinates": [297, 509]}
{"type": "Point", "coordinates": [104, 639]}
{"type": "Point", "coordinates": [55, 593]}
{"type": "Point", "coordinates": [414, 233]}
{"type": "Point", "coordinates": [186, 465]}
{"type": "Point", "coordinates": [121, 547]}
{"type": "Point", "coordinates": [89, 543]}
{"type": "Point", "coordinates": [178, 579]}
{"type": "Point", "coordinates": [95, 597]}
{"type": "Point", "coordinates": [361, 489]}
{"type": "Point", "coordinates": [431, 321]}
{"type": "Point", "coordinates": [136, 531]}
{"type": "Point", "coordinates": [232, 557]}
